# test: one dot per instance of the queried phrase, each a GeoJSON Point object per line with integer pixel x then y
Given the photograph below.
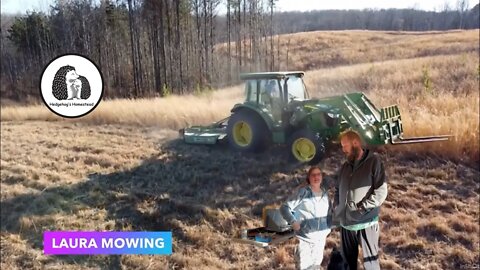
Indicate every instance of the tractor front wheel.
{"type": "Point", "coordinates": [306, 147]}
{"type": "Point", "coordinates": [247, 132]}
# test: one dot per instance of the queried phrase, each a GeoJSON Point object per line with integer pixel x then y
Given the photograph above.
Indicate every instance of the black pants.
{"type": "Point", "coordinates": [368, 238]}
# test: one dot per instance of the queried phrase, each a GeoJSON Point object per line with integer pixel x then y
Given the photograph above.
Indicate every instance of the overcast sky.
{"type": "Point", "coordinates": [304, 5]}
{"type": "Point", "coordinates": [21, 6]}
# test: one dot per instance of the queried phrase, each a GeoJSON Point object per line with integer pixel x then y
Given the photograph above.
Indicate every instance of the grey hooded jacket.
{"type": "Point", "coordinates": [361, 189]}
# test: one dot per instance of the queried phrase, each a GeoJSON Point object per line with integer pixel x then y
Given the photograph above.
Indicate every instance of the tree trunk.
{"type": "Point", "coordinates": [132, 45]}
{"type": "Point", "coordinates": [229, 49]}
{"type": "Point", "coordinates": [178, 46]}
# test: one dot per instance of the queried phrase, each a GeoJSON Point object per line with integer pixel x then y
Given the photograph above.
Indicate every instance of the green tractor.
{"type": "Point", "coordinates": [278, 110]}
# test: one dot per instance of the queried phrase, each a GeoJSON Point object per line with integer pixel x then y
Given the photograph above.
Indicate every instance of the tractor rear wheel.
{"type": "Point", "coordinates": [247, 132]}
{"type": "Point", "coordinates": [306, 147]}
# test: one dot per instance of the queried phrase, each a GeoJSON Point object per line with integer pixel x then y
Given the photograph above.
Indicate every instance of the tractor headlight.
{"type": "Point", "coordinates": [332, 115]}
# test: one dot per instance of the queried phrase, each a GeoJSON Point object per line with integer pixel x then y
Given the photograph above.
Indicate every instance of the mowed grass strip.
{"type": "Point", "coordinates": [130, 178]}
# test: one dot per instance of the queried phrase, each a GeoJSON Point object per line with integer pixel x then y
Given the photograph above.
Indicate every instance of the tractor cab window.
{"type": "Point", "coordinates": [296, 88]}
{"type": "Point", "coordinates": [269, 92]}
{"type": "Point", "coordinates": [251, 90]}
{"type": "Point", "coordinates": [271, 98]}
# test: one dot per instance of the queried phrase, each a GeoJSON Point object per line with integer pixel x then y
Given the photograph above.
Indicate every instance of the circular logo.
{"type": "Point", "coordinates": [71, 85]}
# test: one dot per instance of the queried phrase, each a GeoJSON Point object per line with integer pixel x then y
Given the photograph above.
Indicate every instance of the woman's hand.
{"type": "Point", "coordinates": [296, 226]}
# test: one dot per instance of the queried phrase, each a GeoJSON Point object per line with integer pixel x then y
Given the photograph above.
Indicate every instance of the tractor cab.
{"type": "Point", "coordinates": [274, 87]}
{"type": "Point", "coordinates": [272, 92]}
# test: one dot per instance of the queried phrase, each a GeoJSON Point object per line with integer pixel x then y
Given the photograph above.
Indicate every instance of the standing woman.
{"type": "Point", "coordinates": [309, 213]}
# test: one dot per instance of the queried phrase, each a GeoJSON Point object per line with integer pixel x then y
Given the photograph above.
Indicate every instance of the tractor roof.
{"type": "Point", "coordinates": [270, 75]}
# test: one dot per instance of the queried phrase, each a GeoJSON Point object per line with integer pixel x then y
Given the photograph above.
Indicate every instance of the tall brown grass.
{"type": "Point", "coordinates": [172, 112]}
{"type": "Point", "coordinates": [320, 49]}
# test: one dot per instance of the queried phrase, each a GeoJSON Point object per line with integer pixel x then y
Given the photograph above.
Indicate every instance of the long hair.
{"type": "Point", "coordinates": [59, 86]}
{"type": "Point", "coordinates": [85, 88]}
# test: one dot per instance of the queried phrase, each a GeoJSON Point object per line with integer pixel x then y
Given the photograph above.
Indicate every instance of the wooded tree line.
{"type": "Point", "coordinates": [156, 48]}
{"type": "Point", "coordinates": [390, 19]}
{"type": "Point", "coordinates": [143, 48]}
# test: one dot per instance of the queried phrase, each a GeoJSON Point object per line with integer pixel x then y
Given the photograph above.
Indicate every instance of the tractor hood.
{"type": "Point", "coordinates": [302, 109]}
{"type": "Point", "coordinates": [313, 105]}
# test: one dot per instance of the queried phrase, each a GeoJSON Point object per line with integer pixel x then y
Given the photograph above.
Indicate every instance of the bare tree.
{"type": "Point", "coordinates": [462, 7]}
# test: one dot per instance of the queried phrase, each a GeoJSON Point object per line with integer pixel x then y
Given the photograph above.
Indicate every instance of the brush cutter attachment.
{"type": "Point", "coordinates": [211, 134]}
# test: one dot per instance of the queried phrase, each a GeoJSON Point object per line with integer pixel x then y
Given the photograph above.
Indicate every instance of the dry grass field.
{"type": "Point", "coordinates": [123, 168]}
{"type": "Point", "coordinates": [315, 50]}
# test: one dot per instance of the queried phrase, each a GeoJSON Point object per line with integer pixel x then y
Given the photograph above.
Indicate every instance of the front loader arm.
{"type": "Point", "coordinates": [377, 127]}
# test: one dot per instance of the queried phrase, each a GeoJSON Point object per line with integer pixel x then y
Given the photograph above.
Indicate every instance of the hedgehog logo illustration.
{"type": "Point", "coordinates": [82, 88]}
{"type": "Point", "coordinates": [68, 85]}
{"type": "Point", "coordinates": [71, 85]}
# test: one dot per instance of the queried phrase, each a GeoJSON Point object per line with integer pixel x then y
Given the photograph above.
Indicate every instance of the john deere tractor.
{"type": "Point", "coordinates": [278, 110]}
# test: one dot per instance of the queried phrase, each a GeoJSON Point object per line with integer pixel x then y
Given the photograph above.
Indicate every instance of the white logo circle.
{"type": "Point", "coordinates": [71, 85]}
